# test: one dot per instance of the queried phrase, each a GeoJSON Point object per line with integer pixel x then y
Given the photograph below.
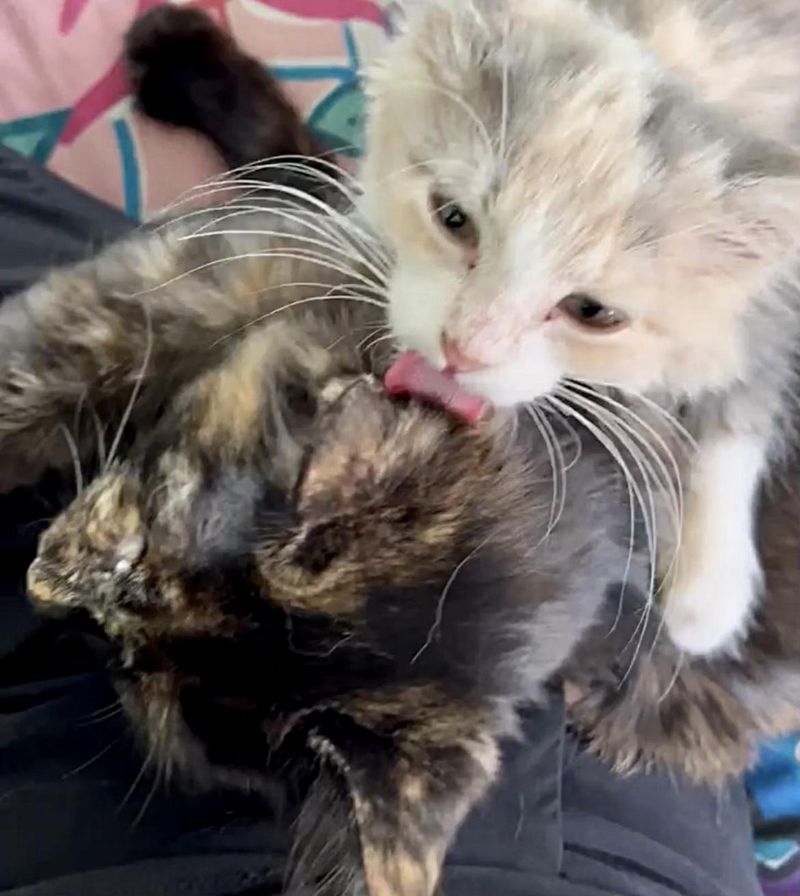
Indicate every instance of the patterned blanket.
{"type": "Point", "coordinates": [64, 103]}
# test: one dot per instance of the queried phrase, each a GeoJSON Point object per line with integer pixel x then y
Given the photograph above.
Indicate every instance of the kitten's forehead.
{"type": "Point", "coordinates": [535, 106]}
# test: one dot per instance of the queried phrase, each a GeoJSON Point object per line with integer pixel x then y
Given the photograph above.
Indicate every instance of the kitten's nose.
{"type": "Point", "coordinates": [456, 359]}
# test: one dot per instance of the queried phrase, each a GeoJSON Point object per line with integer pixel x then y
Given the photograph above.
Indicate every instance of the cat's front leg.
{"type": "Point", "coordinates": [716, 576]}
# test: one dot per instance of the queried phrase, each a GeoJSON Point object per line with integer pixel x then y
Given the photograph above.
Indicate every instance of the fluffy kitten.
{"type": "Point", "coordinates": [603, 193]}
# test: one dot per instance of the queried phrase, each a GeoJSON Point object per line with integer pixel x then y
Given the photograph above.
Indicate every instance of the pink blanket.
{"type": "Point", "coordinates": [63, 97]}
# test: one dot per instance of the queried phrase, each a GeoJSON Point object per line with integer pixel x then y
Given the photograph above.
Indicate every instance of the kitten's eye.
{"type": "Point", "coordinates": [591, 314]}
{"type": "Point", "coordinates": [454, 220]}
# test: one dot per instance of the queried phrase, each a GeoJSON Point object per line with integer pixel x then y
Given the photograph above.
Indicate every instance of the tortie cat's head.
{"type": "Point", "coordinates": [288, 532]}
{"type": "Point", "coordinates": [303, 579]}
{"type": "Point", "coordinates": [288, 468]}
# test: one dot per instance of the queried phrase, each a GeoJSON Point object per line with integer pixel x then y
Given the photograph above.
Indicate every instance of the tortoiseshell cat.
{"type": "Point", "coordinates": [304, 578]}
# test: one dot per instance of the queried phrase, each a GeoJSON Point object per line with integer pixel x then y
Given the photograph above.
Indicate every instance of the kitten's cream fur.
{"type": "Point", "coordinates": [635, 150]}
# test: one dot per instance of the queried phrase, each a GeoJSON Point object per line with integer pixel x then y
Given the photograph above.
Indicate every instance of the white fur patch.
{"type": "Point", "coordinates": [709, 603]}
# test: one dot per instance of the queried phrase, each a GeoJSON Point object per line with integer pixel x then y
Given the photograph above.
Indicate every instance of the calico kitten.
{"type": "Point", "coordinates": [589, 192]}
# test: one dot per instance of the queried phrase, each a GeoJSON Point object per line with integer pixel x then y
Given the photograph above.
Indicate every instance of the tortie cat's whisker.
{"type": "Point", "coordinates": [76, 459]}
{"type": "Point", "coordinates": [439, 615]}
{"type": "Point", "coordinates": [90, 762]}
{"type": "Point", "coordinates": [147, 763]}
{"type": "Point", "coordinates": [135, 392]}
{"type": "Point", "coordinates": [109, 710]}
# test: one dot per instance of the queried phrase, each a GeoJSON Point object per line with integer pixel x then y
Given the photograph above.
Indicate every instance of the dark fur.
{"type": "Point", "coordinates": [187, 72]}
{"type": "Point", "coordinates": [305, 580]}
{"type": "Point", "coordinates": [295, 581]}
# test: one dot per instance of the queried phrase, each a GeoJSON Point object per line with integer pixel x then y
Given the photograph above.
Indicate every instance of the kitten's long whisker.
{"type": "Point", "coordinates": [302, 201]}
{"type": "Point", "coordinates": [242, 256]}
{"type": "Point", "coordinates": [321, 298]}
{"type": "Point", "coordinates": [328, 211]}
{"type": "Point", "coordinates": [348, 232]}
{"type": "Point", "coordinates": [671, 477]}
{"type": "Point", "coordinates": [634, 492]}
{"type": "Point", "coordinates": [373, 345]}
{"type": "Point", "coordinates": [374, 327]}
{"type": "Point", "coordinates": [614, 428]}
{"type": "Point", "coordinates": [561, 464]}
{"type": "Point", "coordinates": [505, 91]}
{"type": "Point", "coordinates": [300, 238]}
{"type": "Point", "coordinates": [612, 425]}
{"type": "Point", "coordinates": [337, 238]}
{"type": "Point", "coordinates": [347, 224]}
{"type": "Point", "coordinates": [670, 480]}
{"type": "Point", "coordinates": [686, 438]}
{"type": "Point", "coordinates": [335, 172]}
{"type": "Point", "coordinates": [537, 421]}
{"type": "Point", "coordinates": [377, 332]}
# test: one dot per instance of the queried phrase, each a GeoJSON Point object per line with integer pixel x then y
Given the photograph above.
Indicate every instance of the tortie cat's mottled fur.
{"type": "Point", "coordinates": [306, 580]}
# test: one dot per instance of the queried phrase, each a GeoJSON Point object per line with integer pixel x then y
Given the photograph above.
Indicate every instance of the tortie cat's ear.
{"type": "Point", "coordinates": [414, 762]}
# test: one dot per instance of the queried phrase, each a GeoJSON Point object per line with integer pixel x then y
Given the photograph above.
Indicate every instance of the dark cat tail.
{"type": "Point", "coordinates": [186, 71]}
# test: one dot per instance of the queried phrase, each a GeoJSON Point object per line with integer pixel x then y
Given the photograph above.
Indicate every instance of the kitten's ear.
{"type": "Point", "coordinates": [761, 202]}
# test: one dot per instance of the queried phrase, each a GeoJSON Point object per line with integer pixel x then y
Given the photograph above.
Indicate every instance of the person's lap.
{"type": "Point", "coordinates": [77, 817]}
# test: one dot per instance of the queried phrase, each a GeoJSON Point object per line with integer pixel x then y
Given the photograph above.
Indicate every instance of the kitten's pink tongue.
{"type": "Point", "coordinates": [412, 375]}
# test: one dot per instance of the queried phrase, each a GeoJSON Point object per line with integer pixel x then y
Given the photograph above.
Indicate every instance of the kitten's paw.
{"type": "Point", "coordinates": [707, 609]}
